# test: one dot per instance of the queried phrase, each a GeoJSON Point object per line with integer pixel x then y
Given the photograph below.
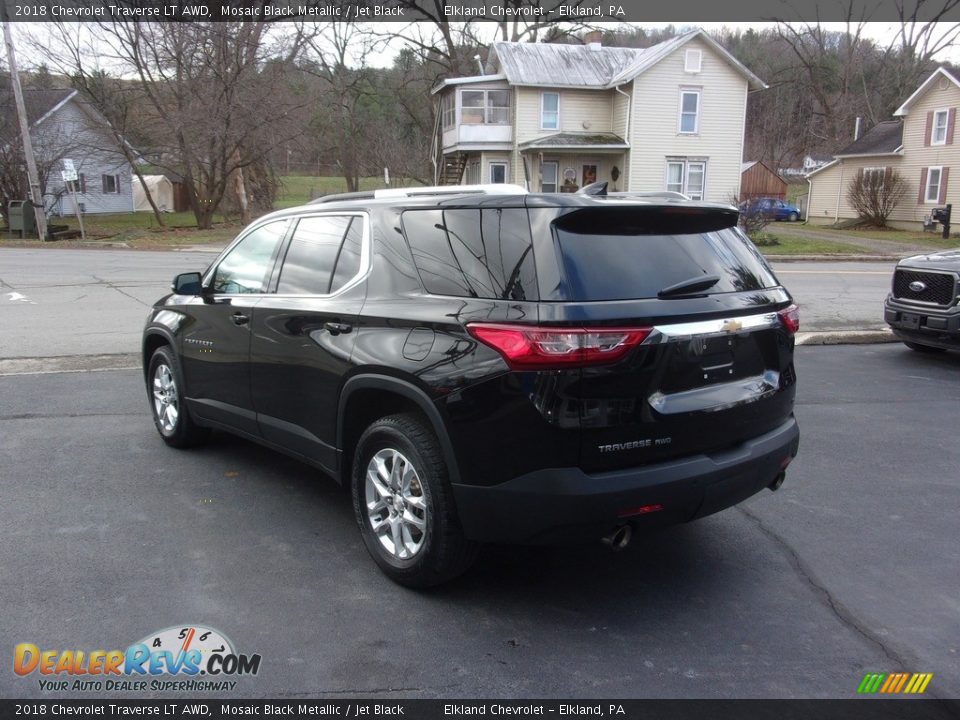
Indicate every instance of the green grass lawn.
{"type": "Point", "coordinates": [907, 236]}
{"type": "Point", "coordinates": [789, 245]}
{"type": "Point", "coordinates": [141, 230]}
{"type": "Point", "coordinates": [299, 189]}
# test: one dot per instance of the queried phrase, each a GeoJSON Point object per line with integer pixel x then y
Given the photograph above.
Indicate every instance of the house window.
{"type": "Point", "coordinates": [81, 186]}
{"type": "Point", "coordinates": [448, 111]}
{"type": "Point", "coordinates": [938, 133]}
{"type": "Point", "coordinates": [689, 111]}
{"type": "Point", "coordinates": [548, 172]}
{"type": "Point", "coordinates": [485, 107]}
{"type": "Point", "coordinates": [550, 111]}
{"type": "Point", "coordinates": [932, 193]}
{"type": "Point", "coordinates": [687, 177]}
{"type": "Point", "coordinates": [692, 61]}
{"type": "Point", "coordinates": [498, 172]}
{"type": "Point", "coordinates": [875, 176]}
{"type": "Point", "coordinates": [110, 184]}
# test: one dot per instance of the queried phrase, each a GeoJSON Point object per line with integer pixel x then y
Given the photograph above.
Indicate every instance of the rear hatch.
{"type": "Point", "coordinates": [716, 365]}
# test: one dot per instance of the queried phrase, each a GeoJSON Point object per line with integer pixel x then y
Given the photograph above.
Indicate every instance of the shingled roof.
{"type": "Point", "coordinates": [37, 102]}
{"type": "Point", "coordinates": [882, 139]}
{"type": "Point", "coordinates": [592, 66]}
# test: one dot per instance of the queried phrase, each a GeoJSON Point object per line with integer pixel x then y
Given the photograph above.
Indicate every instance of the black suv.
{"type": "Point", "coordinates": [483, 364]}
{"type": "Point", "coordinates": [922, 307]}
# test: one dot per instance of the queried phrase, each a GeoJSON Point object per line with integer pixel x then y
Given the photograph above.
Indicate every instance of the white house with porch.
{"type": "Point", "coordinates": [556, 117]}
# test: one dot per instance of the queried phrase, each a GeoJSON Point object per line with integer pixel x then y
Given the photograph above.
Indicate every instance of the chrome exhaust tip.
{"type": "Point", "coordinates": [777, 481]}
{"type": "Point", "coordinates": [619, 538]}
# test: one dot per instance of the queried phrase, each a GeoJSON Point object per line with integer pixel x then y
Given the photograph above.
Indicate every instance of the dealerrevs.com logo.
{"type": "Point", "coordinates": [181, 658]}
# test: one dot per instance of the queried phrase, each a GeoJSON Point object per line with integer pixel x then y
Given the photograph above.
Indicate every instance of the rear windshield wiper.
{"type": "Point", "coordinates": [691, 286]}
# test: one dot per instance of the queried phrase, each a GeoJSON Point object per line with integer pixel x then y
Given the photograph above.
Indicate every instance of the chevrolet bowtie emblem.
{"type": "Point", "coordinates": [731, 326]}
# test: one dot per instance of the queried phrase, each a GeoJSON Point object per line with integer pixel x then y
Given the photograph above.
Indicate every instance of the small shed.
{"type": "Point", "coordinates": [161, 190]}
{"type": "Point", "coordinates": [759, 181]}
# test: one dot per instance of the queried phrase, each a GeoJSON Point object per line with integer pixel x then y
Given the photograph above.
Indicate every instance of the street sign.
{"type": "Point", "coordinates": [69, 172]}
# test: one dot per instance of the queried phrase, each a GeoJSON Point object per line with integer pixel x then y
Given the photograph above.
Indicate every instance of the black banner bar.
{"type": "Point", "coordinates": [676, 11]}
{"type": "Point", "coordinates": [386, 709]}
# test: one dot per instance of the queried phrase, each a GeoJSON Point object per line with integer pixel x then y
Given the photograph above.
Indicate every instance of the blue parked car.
{"type": "Point", "coordinates": [771, 208]}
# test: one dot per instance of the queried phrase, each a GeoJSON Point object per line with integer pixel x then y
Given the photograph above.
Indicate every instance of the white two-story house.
{"type": "Point", "coordinates": [554, 118]}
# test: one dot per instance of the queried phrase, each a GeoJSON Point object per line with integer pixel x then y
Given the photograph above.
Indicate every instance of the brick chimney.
{"type": "Point", "coordinates": [592, 38]}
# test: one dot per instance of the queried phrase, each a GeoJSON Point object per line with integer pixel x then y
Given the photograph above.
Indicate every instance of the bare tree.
{"type": "Point", "coordinates": [212, 94]}
{"type": "Point", "coordinates": [875, 194]}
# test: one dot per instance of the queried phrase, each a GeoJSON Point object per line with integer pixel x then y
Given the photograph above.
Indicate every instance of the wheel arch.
{"type": "Point", "coordinates": [154, 338]}
{"type": "Point", "coordinates": [356, 409]}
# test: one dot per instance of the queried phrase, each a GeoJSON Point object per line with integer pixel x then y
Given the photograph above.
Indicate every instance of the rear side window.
{"type": "Point", "coordinates": [606, 257]}
{"type": "Point", "coordinates": [324, 255]}
{"type": "Point", "coordinates": [484, 253]}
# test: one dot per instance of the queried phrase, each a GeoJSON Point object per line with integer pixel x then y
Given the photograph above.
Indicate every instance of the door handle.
{"type": "Point", "coordinates": [335, 328]}
{"type": "Point", "coordinates": [240, 318]}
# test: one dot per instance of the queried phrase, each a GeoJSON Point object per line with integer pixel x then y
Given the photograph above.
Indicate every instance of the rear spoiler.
{"type": "Point", "coordinates": [648, 219]}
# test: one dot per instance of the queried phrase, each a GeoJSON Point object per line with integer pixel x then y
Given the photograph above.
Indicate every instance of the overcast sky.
{"type": "Point", "coordinates": [882, 32]}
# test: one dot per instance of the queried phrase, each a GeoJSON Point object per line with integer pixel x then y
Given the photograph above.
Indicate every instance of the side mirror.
{"type": "Point", "coordinates": [187, 284]}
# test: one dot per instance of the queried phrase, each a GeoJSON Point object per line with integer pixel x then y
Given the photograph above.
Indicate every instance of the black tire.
{"type": "Point", "coordinates": [443, 552]}
{"type": "Point", "coordinates": [793, 217]}
{"type": "Point", "coordinates": [929, 349]}
{"type": "Point", "coordinates": [181, 431]}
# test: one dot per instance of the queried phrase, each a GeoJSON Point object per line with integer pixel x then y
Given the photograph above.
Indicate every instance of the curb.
{"type": "Point", "coordinates": [68, 364]}
{"type": "Point", "coordinates": [845, 337]}
{"type": "Point", "coordinates": [835, 258]}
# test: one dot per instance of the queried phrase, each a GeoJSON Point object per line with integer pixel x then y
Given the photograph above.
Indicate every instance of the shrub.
{"type": "Point", "coordinates": [875, 193]}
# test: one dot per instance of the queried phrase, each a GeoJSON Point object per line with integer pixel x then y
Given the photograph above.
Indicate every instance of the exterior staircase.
{"type": "Point", "coordinates": [451, 168]}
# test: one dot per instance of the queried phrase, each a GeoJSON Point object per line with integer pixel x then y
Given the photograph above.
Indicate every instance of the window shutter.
{"type": "Point", "coordinates": [944, 176]}
{"type": "Point", "coordinates": [951, 119]}
{"type": "Point", "coordinates": [83, 183]}
{"type": "Point", "coordinates": [928, 132]}
{"type": "Point", "coordinates": [923, 186]}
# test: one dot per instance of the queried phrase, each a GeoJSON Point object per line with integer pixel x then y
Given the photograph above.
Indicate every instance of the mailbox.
{"type": "Point", "coordinates": [21, 218]}
{"type": "Point", "coordinates": [942, 216]}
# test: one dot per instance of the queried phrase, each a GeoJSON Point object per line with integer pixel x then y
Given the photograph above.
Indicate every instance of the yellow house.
{"type": "Point", "coordinates": [920, 146]}
{"type": "Point", "coordinates": [555, 117]}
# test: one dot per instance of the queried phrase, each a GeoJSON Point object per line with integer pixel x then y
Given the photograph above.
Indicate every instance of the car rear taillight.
{"type": "Point", "coordinates": [530, 347]}
{"type": "Point", "coordinates": [790, 317]}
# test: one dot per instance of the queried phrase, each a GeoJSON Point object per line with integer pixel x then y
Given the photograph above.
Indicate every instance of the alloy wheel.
{"type": "Point", "coordinates": [396, 505]}
{"type": "Point", "coordinates": [166, 401]}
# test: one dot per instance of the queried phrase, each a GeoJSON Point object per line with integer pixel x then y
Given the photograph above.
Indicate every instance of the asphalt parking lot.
{"type": "Point", "coordinates": [106, 535]}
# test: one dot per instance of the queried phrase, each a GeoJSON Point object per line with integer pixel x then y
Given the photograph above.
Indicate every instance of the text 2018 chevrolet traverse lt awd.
{"type": "Point", "coordinates": [481, 364]}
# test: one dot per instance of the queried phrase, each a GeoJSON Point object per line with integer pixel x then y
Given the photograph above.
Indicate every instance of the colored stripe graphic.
{"type": "Point", "coordinates": [894, 683]}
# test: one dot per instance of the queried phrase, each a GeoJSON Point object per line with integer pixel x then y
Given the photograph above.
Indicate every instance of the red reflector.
{"type": "Point", "coordinates": [790, 317]}
{"type": "Point", "coordinates": [641, 510]}
{"type": "Point", "coordinates": [786, 461]}
{"type": "Point", "coordinates": [531, 347]}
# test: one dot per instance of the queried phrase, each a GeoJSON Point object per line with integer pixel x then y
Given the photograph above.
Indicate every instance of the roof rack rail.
{"type": "Point", "coordinates": [426, 191]}
{"type": "Point", "coordinates": [359, 195]}
{"type": "Point", "coordinates": [488, 189]}
{"type": "Point", "coordinates": [656, 194]}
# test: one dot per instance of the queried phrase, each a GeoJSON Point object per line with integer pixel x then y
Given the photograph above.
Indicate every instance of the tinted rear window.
{"type": "Point", "coordinates": [472, 252]}
{"type": "Point", "coordinates": [601, 260]}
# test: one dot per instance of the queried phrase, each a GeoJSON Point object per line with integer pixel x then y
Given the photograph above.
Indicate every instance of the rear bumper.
{"type": "Point", "coordinates": [563, 504]}
{"type": "Point", "coordinates": [924, 324]}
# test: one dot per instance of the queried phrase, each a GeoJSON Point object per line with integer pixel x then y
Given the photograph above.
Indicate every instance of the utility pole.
{"type": "Point", "coordinates": [36, 196]}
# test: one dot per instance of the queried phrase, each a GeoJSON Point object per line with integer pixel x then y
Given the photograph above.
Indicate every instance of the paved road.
{"type": "Point", "coordinates": [82, 302]}
{"type": "Point", "coordinates": [93, 302]}
{"type": "Point", "coordinates": [107, 535]}
{"type": "Point", "coordinates": [838, 295]}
